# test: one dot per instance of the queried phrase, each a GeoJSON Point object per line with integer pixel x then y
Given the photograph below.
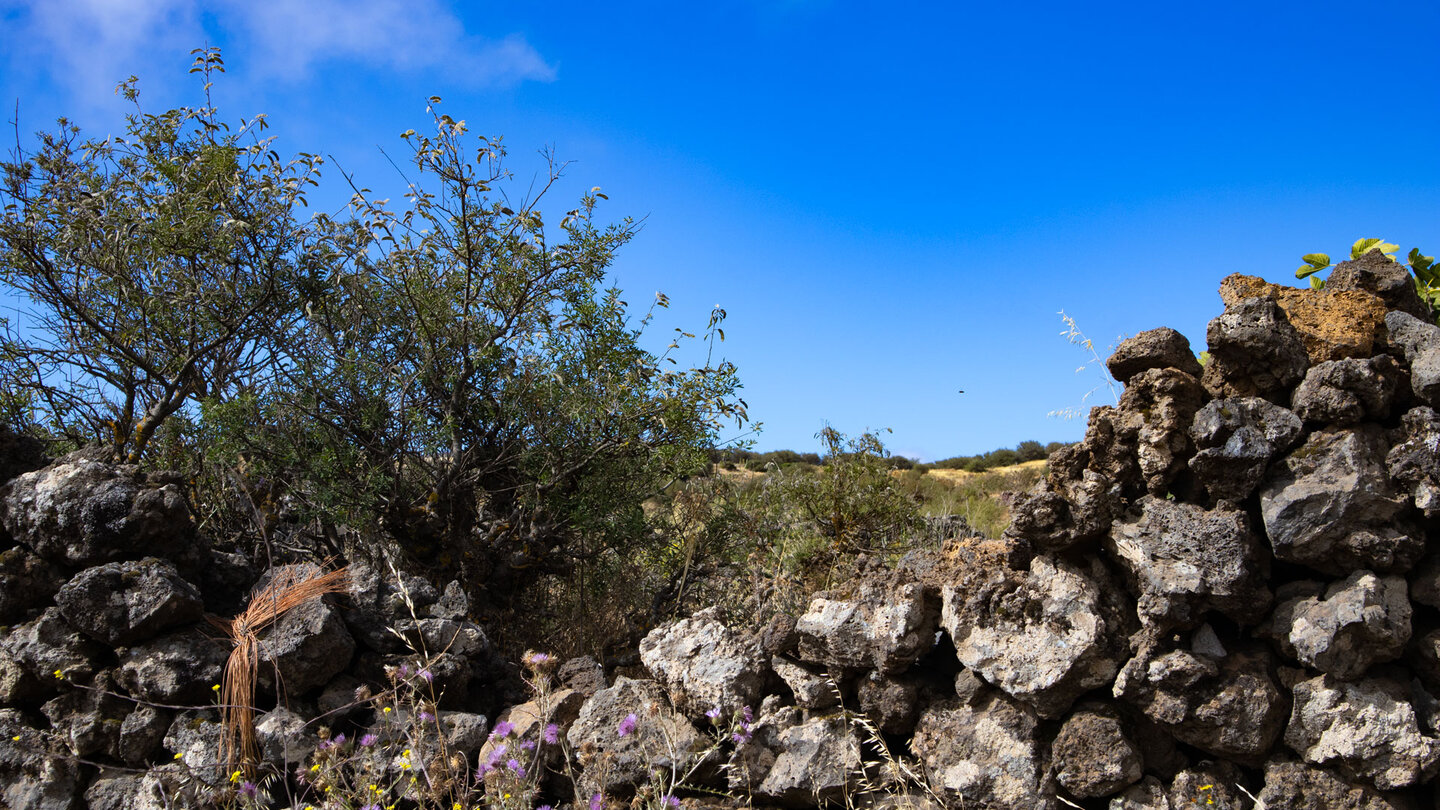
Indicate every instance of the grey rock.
{"type": "Point", "coordinates": [81, 512]}
{"type": "Point", "coordinates": [142, 733]}
{"type": "Point", "coordinates": [1149, 794]}
{"type": "Point", "coordinates": [114, 791]}
{"type": "Point", "coordinates": [50, 644]}
{"type": "Point", "coordinates": [379, 600]}
{"type": "Point", "coordinates": [126, 602]}
{"type": "Point", "coordinates": [284, 737]}
{"type": "Point", "coordinates": [1183, 560]}
{"type": "Point", "coordinates": [195, 740]}
{"type": "Point", "coordinates": [661, 737]}
{"type": "Point", "coordinates": [1374, 272]}
{"type": "Point", "coordinates": [1295, 786]}
{"type": "Point", "coordinates": [19, 454]}
{"type": "Point", "coordinates": [1208, 784]}
{"type": "Point", "coordinates": [305, 647]}
{"type": "Point", "coordinates": [1151, 349]}
{"type": "Point", "coordinates": [1332, 506]}
{"type": "Point", "coordinates": [1342, 392]}
{"type": "Point", "coordinates": [175, 669]}
{"type": "Point", "coordinates": [816, 761]}
{"type": "Point", "coordinates": [18, 685]}
{"type": "Point", "coordinates": [1366, 729]}
{"type": "Point", "coordinates": [32, 777]}
{"type": "Point", "coordinates": [456, 653]}
{"type": "Point", "coordinates": [1073, 506]}
{"type": "Point", "coordinates": [1254, 352]}
{"type": "Point", "coordinates": [778, 637]}
{"type": "Point", "coordinates": [1419, 341]}
{"type": "Point", "coordinates": [885, 628]}
{"type": "Point", "coordinates": [1237, 438]}
{"type": "Point", "coordinates": [27, 583]}
{"type": "Point", "coordinates": [1358, 622]}
{"type": "Point", "coordinates": [1414, 461]}
{"type": "Point", "coordinates": [1158, 407]}
{"type": "Point", "coordinates": [811, 690]}
{"type": "Point", "coordinates": [891, 702]}
{"type": "Point", "coordinates": [705, 664]}
{"type": "Point", "coordinates": [1092, 754]}
{"type": "Point", "coordinates": [1230, 708]}
{"type": "Point", "coordinates": [583, 674]}
{"type": "Point", "coordinates": [88, 721]}
{"type": "Point", "coordinates": [1044, 636]}
{"type": "Point", "coordinates": [988, 752]}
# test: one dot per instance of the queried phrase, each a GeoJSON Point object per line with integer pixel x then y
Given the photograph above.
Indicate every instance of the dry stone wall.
{"type": "Point", "coordinates": [1225, 596]}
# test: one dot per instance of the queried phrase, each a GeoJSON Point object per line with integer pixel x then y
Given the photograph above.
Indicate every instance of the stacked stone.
{"type": "Point", "coordinates": [108, 665]}
{"type": "Point", "coordinates": [1224, 592]}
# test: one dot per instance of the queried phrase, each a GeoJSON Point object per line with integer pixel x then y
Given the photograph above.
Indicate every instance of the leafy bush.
{"type": "Point", "coordinates": [454, 379]}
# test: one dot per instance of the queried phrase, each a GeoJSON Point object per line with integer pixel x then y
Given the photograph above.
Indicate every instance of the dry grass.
{"type": "Point", "coordinates": [291, 587]}
{"type": "Point", "coordinates": [961, 476]}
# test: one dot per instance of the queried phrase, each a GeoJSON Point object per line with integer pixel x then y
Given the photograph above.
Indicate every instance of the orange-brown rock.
{"type": "Point", "coordinates": [1333, 324]}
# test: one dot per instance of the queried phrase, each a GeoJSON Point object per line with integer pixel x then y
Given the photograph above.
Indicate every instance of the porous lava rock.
{"type": "Point", "coordinates": [1365, 729]}
{"type": "Point", "coordinates": [1092, 754]}
{"type": "Point", "coordinates": [1355, 623]}
{"type": "Point", "coordinates": [1254, 352]}
{"type": "Point", "coordinates": [1044, 636]}
{"type": "Point", "coordinates": [1152, 349]}
{"type": "Point", "coordinates": [881, 626]}
{"type": "Point", "coordinates": [1343, 392]}
{"type": "Point", "coordinates": [81, 512]}
{"type": "Point", "coordinates": [705, 664]}
{"type": "Point", "coordinates": [1333, 323]}
{"type": "Point", "coordinates": [1332, 506]}
{"type": "Point", "coordinates": [1235, 440]}
{"type": "Point", "coordinates": [1184, 560]}
{"type": "Point", "coordinates": [125, 602]}
{"type": "Point", "coordinates": [988, 750]}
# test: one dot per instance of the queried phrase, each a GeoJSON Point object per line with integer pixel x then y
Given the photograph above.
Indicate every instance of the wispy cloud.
{"type": "Point", "coordinates": [288, 38]}
{"type": "Point", "coordinates": [86, 46]}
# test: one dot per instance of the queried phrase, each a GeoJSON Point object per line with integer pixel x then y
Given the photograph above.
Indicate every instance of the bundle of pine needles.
{"type": "Point", "coordinates": [291, 587]}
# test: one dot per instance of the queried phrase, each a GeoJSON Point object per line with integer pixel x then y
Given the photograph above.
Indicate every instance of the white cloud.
{"type": "Point", "coordinates": [287, 38]}
{"type": "Point", "coordinates": [87, 46]}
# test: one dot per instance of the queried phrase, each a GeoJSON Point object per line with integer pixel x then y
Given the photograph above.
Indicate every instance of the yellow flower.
{"type": "Point", "coordinates": [59, 673]}
{"type": "Point", "coordinates": [215, 688]}
{"type": "Point", "coordinates": [235, 777]}
{"type": "Point", "coordinates": [16, 738]}
{"type": "Point", "coordinates": [315, 767]}
{"type": "Point", "coordinates": [386, 710]}
{"type": "Point", "coordinates": [179, 756]}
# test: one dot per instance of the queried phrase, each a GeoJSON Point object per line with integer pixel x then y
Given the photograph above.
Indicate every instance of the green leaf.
{"type": "Point", "coordinates": [1319, 261]}
{"type": "Point", "coordinates": [1305, 270]}
{"type": "Point", "coordinates": [1362, 246]}
{"type": "Point", "coordinates": [1317, 282]}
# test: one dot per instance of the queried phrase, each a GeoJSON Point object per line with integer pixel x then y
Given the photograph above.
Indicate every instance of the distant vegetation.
{"type": "Point", "coordinates": [736, 458]}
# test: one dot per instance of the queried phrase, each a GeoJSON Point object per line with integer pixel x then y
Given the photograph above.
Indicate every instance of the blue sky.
{"type": "Point", "coordinates": [892, 201]}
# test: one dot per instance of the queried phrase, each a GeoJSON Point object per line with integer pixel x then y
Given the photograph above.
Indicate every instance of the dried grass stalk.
{"type": "Point", "coordinates": [291, 587]}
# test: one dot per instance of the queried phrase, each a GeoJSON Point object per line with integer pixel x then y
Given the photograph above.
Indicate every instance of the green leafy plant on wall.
{"type": "Point", "coordinates": [1423, 268]}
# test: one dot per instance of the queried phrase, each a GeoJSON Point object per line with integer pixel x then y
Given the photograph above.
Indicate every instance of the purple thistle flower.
{"type": "Point", "coordinates": [426, 717]}
{"type": "Point", "coordinates": [742, 736]}
{"type": "Point", "coordinates": [502, 729]}
{"type": "Point", "coordinates": [339, 739]}
{"type": "Point", "coordinates": [540, 659]}
{"type": "Point", "coordinates": [528, 745]}
{"type": "Point", "coordinates": [628, 724]}
{"type": "Point", "coordinates": [597, 802]}
{"type": "Point", "coordinates": [495, 754]}
{"type": "Point", "coordinates": [544, 807]}
{"type": "Point", "coordinates": [425, 673]}
{"type": "Point", "coordinates": [552, 734]}
{"type": "Point", "coordinates": [748, 715]}
{"type": "Point", "coordinates": [713, 714]}
{"type": "Point", "coordinates": [671, 801]}
{"type": "Point", "coordinates": [516, 768]}
{"type": "Point", "coordinates": [404, 670]}
{"type": "Point", "coordinates": [247, 789]}
{"type": "Point", "coordinates": [368, 740]}
{"type": "Point", "coordinates": [371, 806]}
